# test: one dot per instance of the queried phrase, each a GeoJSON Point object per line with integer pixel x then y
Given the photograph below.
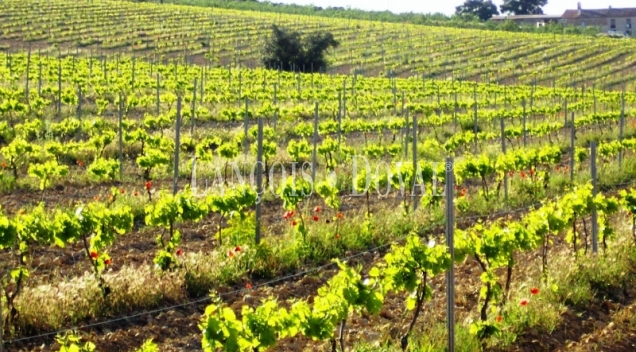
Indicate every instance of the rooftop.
{"type": "Point", "coordinates": [526, 17]}
{"type": "Point", "coordinates": [599, 13]}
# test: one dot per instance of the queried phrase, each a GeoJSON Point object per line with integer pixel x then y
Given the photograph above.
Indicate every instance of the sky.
{"type": "Point", "coordinates": [554, 7]}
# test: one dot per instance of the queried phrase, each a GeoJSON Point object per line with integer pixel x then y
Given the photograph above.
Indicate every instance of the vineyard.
{"type": "Point", "coordinates": [220, 37]}
{"type": "Point", "coordinates": [162, 192]}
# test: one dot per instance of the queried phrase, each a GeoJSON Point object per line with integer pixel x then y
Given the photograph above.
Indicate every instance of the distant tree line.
{"type": "Point", "coordinates": [485, 9]}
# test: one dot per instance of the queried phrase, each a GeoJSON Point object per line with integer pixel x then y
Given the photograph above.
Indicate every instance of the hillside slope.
{"type": "Point", "coordinates": [160, 32]}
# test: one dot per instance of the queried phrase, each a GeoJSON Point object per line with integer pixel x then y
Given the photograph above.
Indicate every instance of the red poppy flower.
{"type": "Point", "coordinates": [136, 193]}
{"type": "Point", "coordinates": [337, 236]}
{"type": "Point", "coordinates": [288, 214]}
{"type": "Point", "coordinates": [499, 318]}
{"type": "Point", "coordinates": [4, 165]}
{"type": "Point", "coordinates": [93, 254]}
{"type": "Point", "coordinates": [463, 192]}
{"type": "Point", "coordinates": [148, 185]}
{"type": "Point", "coordinates": [534, 290]}
{"type": "Point", "coordinates": [230, 254]}
{"type": "Point", "coordinates": [179, 251]}
{"type": "Point", "coordinates": [237, 249]}
{"type": "Point", "coordinates": [123, 191]}
{"type": "Point", "coordinates": [339, 215]}
{"type": "Point", "coordinates": [107, 261]}
{"type": "Point", "coordinates": [558, 168]}
{"type": "Point", "coordinates": [248, 286]}
{"type": "Point", "coordinates": [523, 174]}
{"type": "Point", "coordinates": [315, 217]}
{"type": "Point", "coordinates": [511, 173]}
{"type": "Point", "coordinates": [524, 302]}
{"type": "Point", "coordinates": [317, 209]}
{"type": "Point", "coordinates": [294, 223]}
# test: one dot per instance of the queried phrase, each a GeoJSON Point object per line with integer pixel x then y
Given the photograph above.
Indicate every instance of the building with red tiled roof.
{"type": "Point", "coordinates": [610, 20]}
